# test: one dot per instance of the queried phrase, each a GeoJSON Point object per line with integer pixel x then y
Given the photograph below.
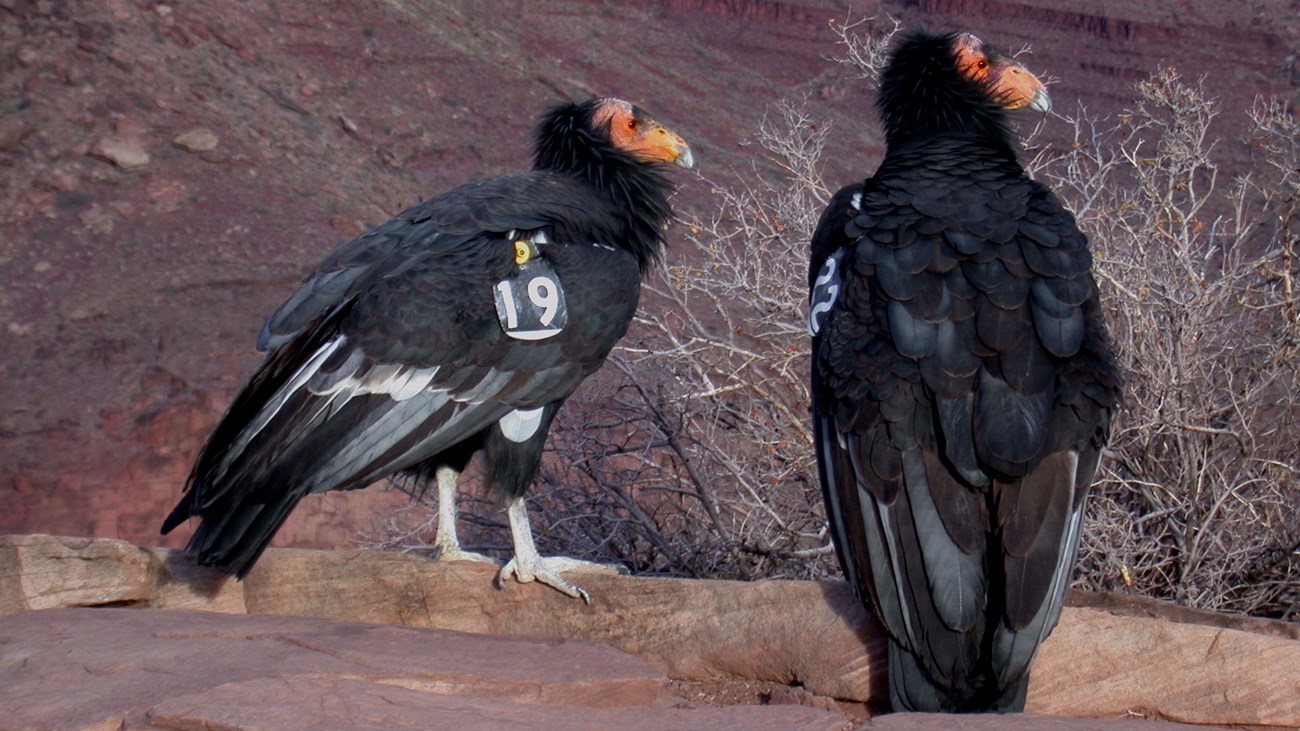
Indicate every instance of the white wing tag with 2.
{"type": "Point", "coordinates": [530, 305]}
{"type": "Point", "coordinates": [826, 289]}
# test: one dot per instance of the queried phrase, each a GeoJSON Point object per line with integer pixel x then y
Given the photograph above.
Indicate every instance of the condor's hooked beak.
{"type": "Point", "coordinates": [1040, 102]}
{"type": "Point", "coordinates": [1018, 88]}
{"type": "Point", "coordinates": [655, 143]}
{"type": "Point", "coordinates": [684, 157]}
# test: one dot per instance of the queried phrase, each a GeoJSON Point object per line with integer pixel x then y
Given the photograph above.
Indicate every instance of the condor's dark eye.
{"type": "Point", "coordinates": [631, 123]}
{"type": "Point", "coordinates": [982, 63]}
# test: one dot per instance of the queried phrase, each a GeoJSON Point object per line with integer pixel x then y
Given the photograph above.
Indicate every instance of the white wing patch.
{"type": "Point", "coordinates": [521, 424]}
{"type": "Point", "coordinates": [487, 388]}
{"type": "Point", "coordinates": [417, 379]}
{"type": "Point", "coordinates": [297, 381]}
{"type": "Point", "coordinates": [398, 380]}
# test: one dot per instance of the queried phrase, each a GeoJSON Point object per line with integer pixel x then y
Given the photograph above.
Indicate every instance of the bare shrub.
{"type": "Point", "coordinates": [1200, 492]}
{"type": "Point", "coordinates": [865, 53]}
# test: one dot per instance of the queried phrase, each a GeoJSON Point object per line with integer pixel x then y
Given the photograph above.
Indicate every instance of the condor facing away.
{"type": "Point", "coordinates": [962, 383]}
{"type": "Point", "coordinates": [460, 325]}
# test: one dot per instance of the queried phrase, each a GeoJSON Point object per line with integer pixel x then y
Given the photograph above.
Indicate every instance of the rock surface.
{"type": "Point", "coordinates": [169, 669]}
{"type": "Point", "coordinates": [199, 139]}
{"type": "Point", "coordinates": [1099, 664]}
{"type": "Point", "coordinates": [127, 153]}
{"type": "Point", "coordinates": [796, 642]}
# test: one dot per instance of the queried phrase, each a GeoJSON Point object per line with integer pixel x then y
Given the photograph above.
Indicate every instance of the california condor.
{"type": "Point", "coordinates": [962, 381]}
{"type": "Point", "coordinates": [458, 327]}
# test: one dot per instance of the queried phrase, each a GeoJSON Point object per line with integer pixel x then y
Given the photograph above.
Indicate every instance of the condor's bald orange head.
{"type": "Point", "coordinates": [636, 133]}
{"type": "Point", "coordinates": [1008, 82]}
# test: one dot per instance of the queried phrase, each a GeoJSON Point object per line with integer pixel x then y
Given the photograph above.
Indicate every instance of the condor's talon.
{"type": "Point", "coordinates": [528, 565]}
{"type": "Point", "coordinates": [547, 571]}
{"type": "Point", "coordinates": [456, 553]}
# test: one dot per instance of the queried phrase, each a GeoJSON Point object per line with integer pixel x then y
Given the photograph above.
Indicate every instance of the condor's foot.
{"type": "Point", "coordinates": [548, 571]}
{"type": "Point", "coordinates": [528, 565]}
{"type": "Point", "coordinates": [449, 551]}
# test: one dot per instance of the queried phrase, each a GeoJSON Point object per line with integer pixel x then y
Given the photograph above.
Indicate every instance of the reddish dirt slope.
{"type": "Point", "coordinates": [134, 287]}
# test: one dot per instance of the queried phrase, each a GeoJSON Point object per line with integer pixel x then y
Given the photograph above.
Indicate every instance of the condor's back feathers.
{"type": "Point", "coordinates": [962, 393]}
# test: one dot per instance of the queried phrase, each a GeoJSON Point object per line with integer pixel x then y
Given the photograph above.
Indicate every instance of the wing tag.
{"type": "Point", "coordinates": [530, 304]}
{"type": "Point", "coordinates": [826, 288]}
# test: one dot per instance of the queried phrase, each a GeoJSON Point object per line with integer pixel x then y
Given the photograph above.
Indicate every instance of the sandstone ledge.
{"type": "Point", "coordinates": [812, 635]}
{"type": "Point", "coordinates": [176, 669]}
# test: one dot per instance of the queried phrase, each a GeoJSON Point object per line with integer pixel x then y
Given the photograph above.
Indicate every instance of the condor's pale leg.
{"type": "Point", "coordinates": [446, 540]}
{"type": "Point", "coordinates": [528, 565]}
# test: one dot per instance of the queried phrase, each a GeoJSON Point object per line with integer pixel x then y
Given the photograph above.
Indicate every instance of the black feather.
{"type": "Point", "coordinates": [921, 93]}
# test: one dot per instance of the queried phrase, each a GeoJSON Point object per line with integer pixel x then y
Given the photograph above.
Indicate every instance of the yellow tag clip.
{"type": "Point", "coordinates": [523, 251]}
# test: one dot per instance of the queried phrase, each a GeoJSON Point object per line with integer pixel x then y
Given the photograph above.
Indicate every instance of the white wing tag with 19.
{"type": "Point", "coordinates": [530, 304]}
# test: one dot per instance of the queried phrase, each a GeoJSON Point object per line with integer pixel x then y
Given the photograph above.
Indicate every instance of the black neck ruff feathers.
{"type": "Point", "coordinates": [923, 93]}
{"type": "Point", "coordinates": [570, 144]}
